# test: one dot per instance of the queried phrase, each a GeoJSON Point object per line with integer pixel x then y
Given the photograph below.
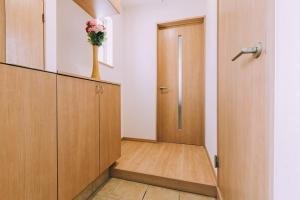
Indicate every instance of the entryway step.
{"type": "Point", "coordinates": [197, 188]}
{"type": "Point", "coordinates": [176, 166]}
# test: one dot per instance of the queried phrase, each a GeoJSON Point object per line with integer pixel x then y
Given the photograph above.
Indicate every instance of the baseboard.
{"type": "Point", "coordinates": [211, 164]}
{"type": "Point", "coordinates": [219, 196]}
{"type": "Point", "coordinates": [138, 140]}
{"type": "Point", "coordinates": [184, 186]}
{"type": "Point", "coordinates": [93, 187]}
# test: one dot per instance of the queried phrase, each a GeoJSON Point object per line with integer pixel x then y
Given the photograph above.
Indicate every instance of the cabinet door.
{"type": "Point", "coordinates": [25, 32]}
{"type": "Point", "coordinates": [78, 135]}
{"type": "Point", "coordinates": [28, 143]}
{"type": "Point", "coordinates": [110, 125]}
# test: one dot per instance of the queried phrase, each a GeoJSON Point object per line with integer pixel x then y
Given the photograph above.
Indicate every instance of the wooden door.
{"type": "Point", "coordinates": [245, 99]}
{"type": "Point", "coordinates": [25, 33]}
{"type": "Point", "coordinates": [28, 143]}
{"type": "Point", "coordinates": [181, 82]}
{"type": "Point", "coordinates": [110, 125]}
{"type": "Point", "coordinates": [78, 135]}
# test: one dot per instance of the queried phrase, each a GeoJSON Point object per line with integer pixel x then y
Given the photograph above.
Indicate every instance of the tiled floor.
{"type": "Point", "coordinates": [117, 189]}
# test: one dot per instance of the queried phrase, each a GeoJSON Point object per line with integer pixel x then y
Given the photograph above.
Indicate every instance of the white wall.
{"type": "Point", "coordinates": [74, 53]}
{"type": "Point", "coordinates": [211, 78]}
{"type": "Point", "coordinates": [287, 101]}
{"type": "Point", "coordinates": [139, 74]}
{"type": "Point", "coordinates": [50, 35]}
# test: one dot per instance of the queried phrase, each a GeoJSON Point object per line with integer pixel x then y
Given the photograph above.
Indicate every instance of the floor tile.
{"type": "Point", "coordinates": [157, 193]}
{"type": "Point", "coordinates": [109, 187]}
{"type": "Point", "coordinates": [124, 190]}
{"type": "Point", "coordinates": [117, 189]}
{"type": "Point", "coordinates": [189, 196]}
{"type": "Point", "coordinates": [102, 198]}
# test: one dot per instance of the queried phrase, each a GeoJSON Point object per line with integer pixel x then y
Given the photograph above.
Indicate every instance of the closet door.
{"type": "Point", "coordinates": [24, 32]}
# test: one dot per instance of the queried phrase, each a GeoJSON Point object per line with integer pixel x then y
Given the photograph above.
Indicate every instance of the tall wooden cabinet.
{"type": "Point", "coordinates": [110, 127]}
{"type": "Point", "coordinates": [22, 32]}
{"type": "Point", "coordinates": [28, 142]}
{"type": "Point", "coordinates": [78, 135]}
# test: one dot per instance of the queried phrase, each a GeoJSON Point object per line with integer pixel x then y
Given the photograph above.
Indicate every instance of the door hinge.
{"type": "Point", "coordinates": [217, 161]}
{"type": "Point", "coordinates": [43, 18]}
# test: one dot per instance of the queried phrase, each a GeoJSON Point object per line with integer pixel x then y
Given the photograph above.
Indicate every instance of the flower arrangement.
{"type": "Point", "coordinates": [96, 33]}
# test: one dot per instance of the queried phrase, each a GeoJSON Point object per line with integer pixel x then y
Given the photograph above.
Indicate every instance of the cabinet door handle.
{"type": "Point", "coordinates": [101, 89]}
{"type": "Point", "coordinates": [97, 89]}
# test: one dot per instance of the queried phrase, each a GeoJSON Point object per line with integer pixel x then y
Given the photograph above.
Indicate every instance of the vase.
{"type": "Point", "coordinates": [95, 72]}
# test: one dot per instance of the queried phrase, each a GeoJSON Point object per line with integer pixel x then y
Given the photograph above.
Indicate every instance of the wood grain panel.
{"type": "Point", "coordinates": [25, 33]}
{"type": "Point", "coordinates": [245, 100]}
{"type": "Point", "coordinates": [78, 135]}
{"type": "Point", "coordinates": [110, 125]}
{"type": "Point", "coordinates": [28, 145]}
{"type": "Point", "coordinates": [188, 163]}
{"type": "Point", "coordinates": [100, 8]}
{"type": "Point", "coordinates": [192, 131]}
{"type": "Point", "coordinates": [2, 31]}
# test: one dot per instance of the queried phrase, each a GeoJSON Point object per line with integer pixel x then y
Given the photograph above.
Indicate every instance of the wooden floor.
{"type": "Point", "coordinates": [176, 166]}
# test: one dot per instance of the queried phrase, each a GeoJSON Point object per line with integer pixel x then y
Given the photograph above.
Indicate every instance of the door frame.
{"type": "Point", "coordinates": [270, 47]}
{"type": "Point", "coordinates": [180, 22]}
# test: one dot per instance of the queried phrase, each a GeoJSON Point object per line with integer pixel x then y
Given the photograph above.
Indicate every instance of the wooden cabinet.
{"type": "Point", "coordinates": [78, 135]}
{"type": "Point", "coordinates": [110, 126]}
{"type": "Point", "coordinates": [28, 143]}
{"type": "Point", "coordinates": [100, 8]}
{"type": "Point", "coordinates": [22, 32]}
{"type": "Point", "coordinates": [57, 133]}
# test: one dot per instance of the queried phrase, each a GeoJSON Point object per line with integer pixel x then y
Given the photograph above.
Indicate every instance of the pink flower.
{"type": "Point", "coordinates": [101, 28]}
{"type": "Point", "coordinates": [88, 29]}
{"type": "Point", "coordinates": [92, 26]}
{"type": "Point", "coordinates": [91, 23]}
{"type": "Point", "coordinates": [94, 29]}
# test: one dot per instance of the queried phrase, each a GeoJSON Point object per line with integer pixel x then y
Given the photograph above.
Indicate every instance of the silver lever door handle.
{"type": "Point", "coordinates": [256, 51]}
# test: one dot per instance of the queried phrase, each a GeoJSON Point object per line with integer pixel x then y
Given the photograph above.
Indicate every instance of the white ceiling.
{"type": "Point", "coordinates": [139, 2]}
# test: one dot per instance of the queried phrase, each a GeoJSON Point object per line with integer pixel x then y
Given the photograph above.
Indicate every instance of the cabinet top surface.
{"type": "Point", "coordinates": [62, 73]}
